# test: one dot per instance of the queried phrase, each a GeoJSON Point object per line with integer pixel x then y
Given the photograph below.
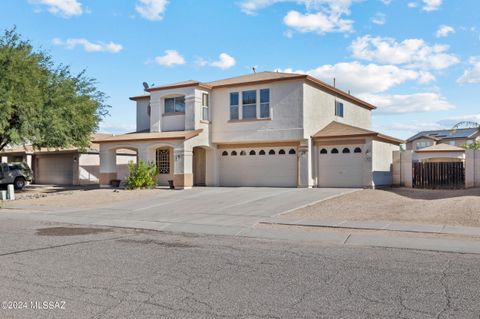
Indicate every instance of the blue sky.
{"type": "Point", "coordinates": [418, 60]}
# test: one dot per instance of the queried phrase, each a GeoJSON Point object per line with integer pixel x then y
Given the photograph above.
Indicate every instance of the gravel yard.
{"type": "Point", "coordinates": [452, 207]}
{"type": "Point", "coordinates": [78, 198]}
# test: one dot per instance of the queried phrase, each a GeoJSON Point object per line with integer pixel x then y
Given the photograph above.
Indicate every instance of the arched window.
{"type": "Point", "coordinates": [262, 152]}
{"type": "Point", "coordinates": [357, 150]}
{"type": "Point", "coordinates": [243, 153]}
{"type": "Point", "coordinates": [281, 152]}
{"type": "Point", "coordinates": [225, 153]}
{"type": "Point", "coordinates": [252, 152]}
{"type": "Point", "coordinates": [234, 153]}
{"type": "Point", "coordinates": [163, 161]}
{"type": "Point", "coordinates": [334, 151]}
{"type": "Point", "coordinates": [271, 152]}
{"type": "Point", "coordinates": [292, 152]}
{"type": "Point", "coordinates": [323, 151]}
{"type": "Point", "coordinates": [346, 150]}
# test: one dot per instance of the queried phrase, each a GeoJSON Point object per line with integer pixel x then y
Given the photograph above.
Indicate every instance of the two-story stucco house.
{"type": "Point", "coordinates": [453, 137]}
{"type": "Point", "coordinates": [263, 129]}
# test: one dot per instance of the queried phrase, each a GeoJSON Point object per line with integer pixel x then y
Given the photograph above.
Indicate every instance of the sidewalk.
{"type": "Point", "coordinates": [376, 225]}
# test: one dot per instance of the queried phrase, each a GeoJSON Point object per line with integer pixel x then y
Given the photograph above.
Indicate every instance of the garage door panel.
{"type": "Point", "coordinates": [341, 169]}
{"type": "Point", "coordinates": [56, 170]}
{"type": "Point", "coordinates": [279, 170]}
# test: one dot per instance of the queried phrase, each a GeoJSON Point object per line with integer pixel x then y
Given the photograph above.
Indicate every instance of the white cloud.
{"type": "Point", "coordinates": [408, 103]}
{"type": "Point", "coordinates": [317, 22]}
{"type": "Point", "coordinates": [171, 58]}
{"type": "Point", "coordinates": [451, 121]}
{"type": "Point", "coordinates": [412, 5]}
{"type": "Point", "coordinates": [322, 16]}
{"type": "Point", "coordinates": [472, 75]}
{"type": "Point", "coordinates": [410, 52]}
{"type": "Point", "coordinates": [224, 62]}
{"type": "Point", "coordinates": [431, 5]}
{"type": "Point", "coordinates": [444, 30]}
{"type": "Point", "coordinates": [386, 2]}
{"type": "Point", "coordinates": [379, 18]}
{"type": "Point", "coordinates": [365, 79]}
{"type": "Point", "coordinates": [151, 9]}
{"type": "Point", "coordinates": [63, 8]}
{"type": "Point", "coordinates": [89, 46]}
{"type": "Point", "coordinates": [414, 127]}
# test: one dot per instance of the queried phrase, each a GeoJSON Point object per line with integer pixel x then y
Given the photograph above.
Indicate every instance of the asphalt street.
{"type": "Point", "coordinates": [121, 273]}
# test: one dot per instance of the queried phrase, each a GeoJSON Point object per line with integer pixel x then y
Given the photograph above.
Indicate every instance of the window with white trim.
{"type": "Point", "coordinates": [175, 104]}
{"type": "Point", "coordinates": [264, 103]}
{"type": "Point", "coordinates": [338, 109]}
{"type": "Point", "coordinates": [163, 161]}
{"type": "Point", "coordinates": [249, 104]}
{"type": "Point", "coordinates": [234, 103]}
{"type": "Point", "coordinates": [205, 104]}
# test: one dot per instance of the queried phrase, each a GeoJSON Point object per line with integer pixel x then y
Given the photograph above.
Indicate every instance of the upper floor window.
{"type": "Point", "coordinates": [249, 104]}
{"type": "Point", "coordinates": [234, 102]}
{"type": "Point", "coordinates": [205, 102]}
{"type": "Point", "coordinates": [421, 145]}
{"type": "Point", "coordinates": [175, 104]}
{"type": "Point", "coordinates": [338, 109]}
{"type": "Point", "coordinates": [264, 103]}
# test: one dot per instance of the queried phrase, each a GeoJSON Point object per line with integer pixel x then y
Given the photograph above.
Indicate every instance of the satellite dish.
{"type": "Point", "coordinates": [145, 86]}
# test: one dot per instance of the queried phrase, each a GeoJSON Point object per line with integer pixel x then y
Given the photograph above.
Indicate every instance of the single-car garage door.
{"type": "Point", "coordinates": [268, 167]}
{"type": "Point", "coordinates": [341, 166]}
{"type": "Point", "coordinates": [54, 169]}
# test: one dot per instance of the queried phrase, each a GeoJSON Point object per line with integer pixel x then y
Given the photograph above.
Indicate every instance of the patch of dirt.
{"type": "Point", "coordinates": [157, 242]}
{"type": "Point", "coordinates": [83, 198]}
{"type": "Point", "coordinates": [451, 207]}
{"type": "Point", "coordinates": [70, 231]}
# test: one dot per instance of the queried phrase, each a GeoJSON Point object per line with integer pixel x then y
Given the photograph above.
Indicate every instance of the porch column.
{"type": "Point", "coordinates": [182, 168]}
{"type": "Point", "coordinates": [4, 159]}
{"type": "Point", "coordinates": [108, 166]}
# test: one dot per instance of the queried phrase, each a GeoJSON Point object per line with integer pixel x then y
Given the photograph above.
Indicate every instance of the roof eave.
{"type": "Point", "coordinates": [341, 93]}
{"type": "Point", "coordinates": [179, 86]}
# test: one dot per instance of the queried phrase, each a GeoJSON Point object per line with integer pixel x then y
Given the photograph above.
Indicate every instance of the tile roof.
{"type": "Point", "coordinates": [446, 134]}
{"type": "Point", "coordinates": [265, 77]}
{"type": "Point", "coordinates": [340, 130]}
{"type": "Point", "coordinates": [441, 148]}
{"type": "Point", "coordinates": [132, 137]}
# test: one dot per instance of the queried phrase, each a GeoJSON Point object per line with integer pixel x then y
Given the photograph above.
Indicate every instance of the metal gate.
{"type": "Point", "coordinates": [441, 175]}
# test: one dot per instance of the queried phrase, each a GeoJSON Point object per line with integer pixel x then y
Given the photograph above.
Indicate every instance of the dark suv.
{"type": "Point", "coordinates": [15, 173]}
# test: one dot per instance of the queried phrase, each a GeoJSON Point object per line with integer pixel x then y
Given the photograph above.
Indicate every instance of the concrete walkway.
{"type": "Point", "coordinates": [377, 225]}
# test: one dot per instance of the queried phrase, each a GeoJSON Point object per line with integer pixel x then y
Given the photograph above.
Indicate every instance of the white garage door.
{"type": "Point", "coordinates": [341, 166]}
{"type": "Point", "coordinates": [57, 169]}
{"type": "Point", "coordinates": [272, 167]}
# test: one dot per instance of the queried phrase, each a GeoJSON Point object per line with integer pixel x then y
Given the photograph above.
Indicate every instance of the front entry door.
{"type": "Point", "coordinates": [199, 166]}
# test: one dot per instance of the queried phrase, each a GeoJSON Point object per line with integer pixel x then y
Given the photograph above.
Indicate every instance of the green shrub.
{"type": "Point", "coordinates": [142, 175]}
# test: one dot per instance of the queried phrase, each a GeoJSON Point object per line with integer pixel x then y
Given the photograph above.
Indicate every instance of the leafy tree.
{"type": "Point", "coordinates": [142, 175]}
{"type": "Point", "coordinates": [43, 104]}
{"type": "Point", "coordinates": [473, 146]}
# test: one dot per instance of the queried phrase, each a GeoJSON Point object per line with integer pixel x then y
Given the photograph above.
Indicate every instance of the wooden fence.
{"type": "Point", "coordinates": [446, 175]}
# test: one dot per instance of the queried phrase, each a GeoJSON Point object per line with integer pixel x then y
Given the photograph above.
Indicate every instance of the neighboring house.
{"type": "Point", "coordinates": [263, 129]}
{"type": "Point", "coordinates": [453, 137]}
{"type": "Point", "coordinates": [67, 166]}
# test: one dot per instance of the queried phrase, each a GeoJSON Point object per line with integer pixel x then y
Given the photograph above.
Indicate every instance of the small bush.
{"type": "Point", "coordinates": [142, 175]}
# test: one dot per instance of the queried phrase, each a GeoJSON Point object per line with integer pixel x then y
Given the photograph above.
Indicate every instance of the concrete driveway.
{"type": "Point", "coordinates": [225, 211]}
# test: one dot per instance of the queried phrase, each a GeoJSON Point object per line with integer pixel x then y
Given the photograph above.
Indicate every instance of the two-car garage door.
{"type": "Point", "coordinates": [267, 167]}
{"type": "Point", "coordinates": [340, 166]}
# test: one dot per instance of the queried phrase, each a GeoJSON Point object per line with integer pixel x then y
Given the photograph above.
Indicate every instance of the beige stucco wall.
{"type": "Point", "coordinates": [383, 162]}
{"type": "Point", "coordinates": [319, 109]}
{"type": "Point", "coordinates": [286, 113]}
{"type": "Point", "coordinates": [143, 119]}
{"type": "Point", "coordinates": [89, 167]}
